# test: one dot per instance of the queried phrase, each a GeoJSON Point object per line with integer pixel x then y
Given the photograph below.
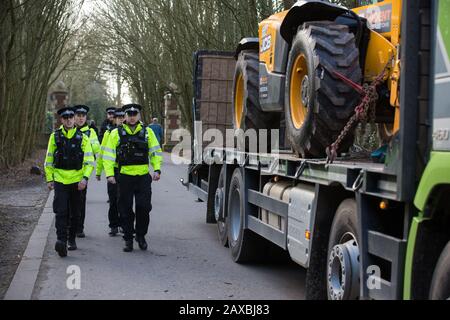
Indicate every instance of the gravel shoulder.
{"type": "Point", "coordinates": [22, 198]}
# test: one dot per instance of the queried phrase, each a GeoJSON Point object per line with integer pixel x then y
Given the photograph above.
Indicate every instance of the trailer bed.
{"type": "Point", "coordinates": [354, 174]}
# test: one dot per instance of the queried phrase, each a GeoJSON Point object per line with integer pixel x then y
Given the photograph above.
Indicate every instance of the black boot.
{"type": "Point", "coordinates": [72, 245]}
{"type": "Point", "coordinates": [128, 246]}
{"type": "Point", "coordinates": [114, 232]}
{"type": "Point", "coordinates": [142, 243]}
{"type": "Point", "coordinates": [81, 235]}
{"type": "Point", "coordinates": [61, 248]}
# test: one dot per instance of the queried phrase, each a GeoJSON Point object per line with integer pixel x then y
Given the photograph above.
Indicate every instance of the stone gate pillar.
{"type": "Point", "coordinates": [172, 121]}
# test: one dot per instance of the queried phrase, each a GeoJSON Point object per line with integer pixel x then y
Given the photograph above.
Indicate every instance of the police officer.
{"type": "Point", "coordinates": [108, 123]}
{"type": "Point", "coordinates": [68, 166]}
{"type": "Point", "coordinates": [81, 112]}
{"type": "Point", "coordinates": [133, 146]}
{"type": "Point", "coordinates": [113, 212]}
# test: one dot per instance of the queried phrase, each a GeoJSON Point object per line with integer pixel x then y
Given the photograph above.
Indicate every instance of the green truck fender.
{"type": "Point", "coordinates": [437, 173]}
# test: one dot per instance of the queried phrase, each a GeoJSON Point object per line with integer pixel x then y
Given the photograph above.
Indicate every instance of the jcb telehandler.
{"type": "Point", "coordinates": [326, 68]}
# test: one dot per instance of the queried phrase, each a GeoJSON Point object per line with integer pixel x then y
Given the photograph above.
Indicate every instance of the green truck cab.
{"type": "Point", "coordinates": [427, 269]}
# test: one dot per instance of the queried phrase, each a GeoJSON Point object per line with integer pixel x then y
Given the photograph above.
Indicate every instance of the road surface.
{"type": "Point", "coordinates": [184, 261]}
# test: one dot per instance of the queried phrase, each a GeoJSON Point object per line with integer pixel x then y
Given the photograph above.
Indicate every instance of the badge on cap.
{"type": "Point", "coordinates": [132, 108]}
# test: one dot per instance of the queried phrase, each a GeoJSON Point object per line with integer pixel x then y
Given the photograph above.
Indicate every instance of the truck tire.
{"type": "Point", "coordinates": [440, 286]}
{"type": "Point", "coordinates": [343, 272]}
{"type": "Point", "coordinates": [222, 226]}
{"type": "Point", "coordinates": [245, 245]}
{"type": "Point", "coordinates": [318, 104]}
{"type": "Point", "coordinates": [247, 112]}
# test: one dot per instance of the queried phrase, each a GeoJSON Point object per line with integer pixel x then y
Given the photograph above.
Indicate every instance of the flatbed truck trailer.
{"type": "Point", "coordinates": [363, 230]}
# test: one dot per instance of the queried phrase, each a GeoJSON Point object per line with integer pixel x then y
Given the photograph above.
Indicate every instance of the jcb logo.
{"type": "Point", "coordinates": [266, 43]}
{"type": "Point", "coordinates": [74, 280]}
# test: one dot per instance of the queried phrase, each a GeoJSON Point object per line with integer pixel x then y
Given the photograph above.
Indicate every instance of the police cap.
{"type": "Point", "coordinates": [67, 111]}
{"type": "Point", "coordinates": [111, 110]}
{"type": "Point", "coordinates": [132, 108]}
{"type": "Point", "coordinates": [119, 113]}
{"type": "Point", "coordinates": [81, 109]}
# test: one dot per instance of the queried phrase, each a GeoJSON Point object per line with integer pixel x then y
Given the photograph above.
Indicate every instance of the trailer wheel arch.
{"type": "Point", "coordinates": [329, 198]}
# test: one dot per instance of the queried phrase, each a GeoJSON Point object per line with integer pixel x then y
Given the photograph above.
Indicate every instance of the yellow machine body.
{"type": "Point", "coordinates": [269, 31]}
{"type": "Point", "coordinates": [384, 20]}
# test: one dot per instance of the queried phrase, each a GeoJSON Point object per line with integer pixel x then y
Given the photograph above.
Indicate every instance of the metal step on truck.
{"type": "Point", "coordinates": [363, 227]}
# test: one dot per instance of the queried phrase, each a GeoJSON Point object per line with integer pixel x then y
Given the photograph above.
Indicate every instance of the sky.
{"type": "Point", "coordinates": [87, 9]}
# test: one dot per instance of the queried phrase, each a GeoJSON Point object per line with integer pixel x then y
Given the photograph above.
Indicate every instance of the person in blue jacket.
{"type": "Point", "coordinates": [158, 130]}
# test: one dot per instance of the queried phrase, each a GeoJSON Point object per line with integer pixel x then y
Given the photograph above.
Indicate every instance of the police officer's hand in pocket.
{"type": "Point", "coordinates": [156, 176]}
{"type": "Point", "coordinates": [82, 185]}
{"type": "Point", "coordinates": [51, 186]}
{"type": "Point", "coordinates": [112, 180]}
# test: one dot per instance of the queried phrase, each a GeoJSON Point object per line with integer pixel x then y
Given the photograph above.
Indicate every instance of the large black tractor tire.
{"type": "Point", "coordinates": [318, 104]}
{"type": "Point", "coordinates": [440, 286]}
{"type": "Point", "coordinates": [245, 245]}
{"type": "Point", "coordinates": [247, 112]}
{"type": "Point", "coordinates": [343, 274]}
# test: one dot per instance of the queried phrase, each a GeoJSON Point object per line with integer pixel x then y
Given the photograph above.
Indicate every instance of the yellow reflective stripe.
{"type": "Point", "coordinates": [157, 148]}
{"type": "Point", "coordinates": [109, 150]}
{"type": "Point", "coordinates": [50, 165]}
{"type": "Point", "coordinates": [106, 157]}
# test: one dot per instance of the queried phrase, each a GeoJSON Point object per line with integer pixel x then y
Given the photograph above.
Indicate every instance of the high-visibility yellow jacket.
{"type": "Point", "coordinates": [110, 153]}
{"type": "Point", "coordinates": [100, 166]}
{"type": "Point", "coordinates": [68, 176]}
{"type": "Point", "coordinates": [93, 138]}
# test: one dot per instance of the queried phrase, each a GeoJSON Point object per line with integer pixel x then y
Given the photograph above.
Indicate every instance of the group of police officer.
{"type": "Point", "coordinates": [127, 150]}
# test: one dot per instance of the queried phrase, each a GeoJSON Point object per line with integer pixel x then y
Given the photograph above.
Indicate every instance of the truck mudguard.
{"type": "Point", "coordinates": [247, 44]}
{"type": "Point", "coordinates": [304, 11]}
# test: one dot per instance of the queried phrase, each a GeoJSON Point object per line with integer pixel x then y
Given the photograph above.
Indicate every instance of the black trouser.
{"type": "Point", "coordinates": [82, 210]}
{"type": "Point", "coordinates": [67, 206]}
{"type": "Point", "coordinates": [139, 188]}
{"type": "Point", "coordinates": [113, 213]}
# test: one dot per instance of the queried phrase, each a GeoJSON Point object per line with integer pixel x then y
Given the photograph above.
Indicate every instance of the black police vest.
{"type": "Point", "coordinates": [88, 133]}
{"type": "Point", "coordinates": [132, 150]}
{"type": "Point", "coordinates": [112, 128]}
{"type": "Point", "coordinates": [69, 154]}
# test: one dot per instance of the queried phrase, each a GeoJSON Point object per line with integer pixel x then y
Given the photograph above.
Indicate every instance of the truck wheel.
{"type": "Point", "coordinates": [343, 274]}
{"type": "Point", "coordinates": [245, 245]}
{"type": "Point", "coordinates": [318, 104]}
{"type": "Point", "coordinates": [222, 226]}
{"type": "Point", "coordinates": [440, 286]}
{"type": "Point", "coordinates": [247, 112]}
